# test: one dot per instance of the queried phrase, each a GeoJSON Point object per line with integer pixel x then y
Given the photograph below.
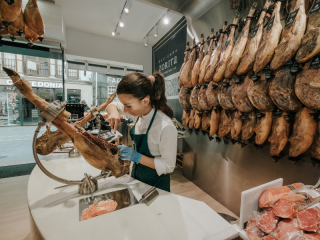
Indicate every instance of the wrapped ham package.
{"type": "Point", "coordinates": [288, 229]}
{"type": "Point", "coordinates": [266, 221]}
{"type": "Point", "coordinates": [309, 219]}
{"type": "Point", "coordinates": [309, 236]}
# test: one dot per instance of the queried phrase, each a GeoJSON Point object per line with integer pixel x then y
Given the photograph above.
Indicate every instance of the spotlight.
{"type": "Point", "coordinates": [115, 33]}
{"type": "Point", "coordinates": [166, 20]}
{"type": "Point", "coordinates": [121, 24]}
{"type": "Point", "coordinates": [156, 31]}
{"type": "Point", "coordinates": [146, 41]}
{"type": "Point", "coordinates": [128, 6]}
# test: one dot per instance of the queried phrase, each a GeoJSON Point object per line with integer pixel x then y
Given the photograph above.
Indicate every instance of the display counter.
{"type": "Point", "coordinates": [54, 213]}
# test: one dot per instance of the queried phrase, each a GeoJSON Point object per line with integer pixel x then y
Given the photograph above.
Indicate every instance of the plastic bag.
{"type": "Point", "coordinates": [266, 220]}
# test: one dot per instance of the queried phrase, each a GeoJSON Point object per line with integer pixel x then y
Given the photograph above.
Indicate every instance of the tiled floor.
{"type": "Point", "coordinates": [14, 221]}
{"type": "Point", "coordinates": [16, 144]}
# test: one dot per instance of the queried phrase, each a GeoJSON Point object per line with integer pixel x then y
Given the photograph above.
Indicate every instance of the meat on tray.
{"type": "Point", "coordinates": [308, 219]}
{"type": "Point", "coordinates": [103, 207]}
{"type": "Point", "coordinates": [309, 236]}
{"type": "Point", "coordinates": [288, 230]}
{"type": "Point", "coordinates": [267, 221]}
{"type": "Point", "coordinates": [254, 233]}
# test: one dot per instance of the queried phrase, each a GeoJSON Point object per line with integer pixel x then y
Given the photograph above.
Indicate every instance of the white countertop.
{"type": "Point", "coordinates": [56, 211]}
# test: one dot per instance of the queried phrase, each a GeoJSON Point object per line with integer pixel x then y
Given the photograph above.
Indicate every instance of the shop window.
{"type": "Point", "coordinates": [44, 68]}
{"type": "Point", "coordinates": [10, 63]}
{"type": "Point", "coordinates": [74, 95]}
{"type": "Point", "coordinates": [111, 90]}
{"type": "Point", "coordinates": [9, 106]}
{"type": "Point", "coordinates": [73, 74]}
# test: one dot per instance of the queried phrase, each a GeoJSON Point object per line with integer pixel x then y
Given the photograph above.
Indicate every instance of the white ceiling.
{"type": "Point", "coordinates": [101, 17]}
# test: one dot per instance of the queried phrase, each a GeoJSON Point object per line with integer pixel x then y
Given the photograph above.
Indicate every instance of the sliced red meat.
{"type": "Point", "coordinates": [102, 208]}
{"type": "Point", "coordinates": [267, 222]}
{"type": "Point", "coordinates": [254, 233]}
{"type": "Point", "coordinates": [270, 196]}
{"type": "Point", "coordinates": [309, 236]}
{"type": "Point", "coordinates": [269, 237]}
{"type": "Point", "coordinates": [284, 209]}
{"type": "Point", "coordinates": [288, 230]}
{"type": "Point", "coordinates": [308, 219]}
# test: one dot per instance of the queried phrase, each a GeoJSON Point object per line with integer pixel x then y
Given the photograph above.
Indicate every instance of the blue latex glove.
{"type": "Point", "coordinates": [127, 153]}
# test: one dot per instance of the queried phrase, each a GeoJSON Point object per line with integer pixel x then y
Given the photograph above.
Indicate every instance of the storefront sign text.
{"type": "Point", "coordinates": [41, 84]}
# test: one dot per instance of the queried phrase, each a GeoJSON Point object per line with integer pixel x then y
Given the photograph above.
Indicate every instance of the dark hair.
{"type": "Point", "coordinates": [140, 86]}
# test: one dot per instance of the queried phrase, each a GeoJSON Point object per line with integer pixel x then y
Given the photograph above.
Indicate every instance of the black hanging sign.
{"type": "Point", "coordinates": [255, 30]}
{"type": "Point", "coordinates": [315, 8]}
{"type": "Point", "coordinates": [315, 62]}
{"type": "Point", "coordinates": [292, 16]}
{"type": "Point", "coordinates": [270, 24]}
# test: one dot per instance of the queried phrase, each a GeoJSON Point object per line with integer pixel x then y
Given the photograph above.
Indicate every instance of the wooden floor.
{"type": "Point", "coordinates": [14, 221]}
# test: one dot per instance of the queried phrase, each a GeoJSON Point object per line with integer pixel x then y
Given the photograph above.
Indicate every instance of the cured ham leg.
{"type": "Point", "coordinates": [33, 18]}
{"type": "Point", "coordinates": [30, 35]}
{"type": "Point", "coordinates": [206, 59]}
{"type": "Point", "coordinates": [304, 130]}
{"type": "Point", "coordinates": [270, 41]}
{"type": "Point", "coordinates": [236, 124]}
{"type": "Point", "coordinates": [185, 118]}
{"type": "Point", "coordinates": [310, 43]}
{"type": "Point", "coordinates": [192, 118]}
{"type": "Point", "coordinates": [315, 148]}
{"type": "Point", "coordinates": [239, 46]}
{"type": "Point", "coordinates": [259, 95]}
{"type": "Point", "coordinates": [186, 57]}
{"type": "Point", "coordinates": [279, 135]}
{"type": "Point", "coordinates": [202, 99]}
{"type": "Point", "coordinates": [184, 98]}
{"type": "Point", "coordinates": [186, 73]}
{"type": "Point", "coordinates": [98, 153]}
{"type": "Point", "coordinates": [196, 68]}
{"type": "Point", "coordinates": [205, 121]}
{"type": "Point", "coordinates": [10, 10]}
{"type": "Point", "coordinates": [197, 120]}
{"type": "Point", "coordinates": [291, 37]}
{"type": "Point", "coordinates": [17, 26]}
{"type": "Point", "coordinates": [194, 98]}
{"type": "Point", "coordinates": [249, 55]}
{"type": "Point", "coordinates": [225, 94]}
{"type": "Point", "coordinates": [248, 126]}
{"type": "Point", "coordinates": [215, 56]}
{"type": "Point", "coordinates": [239, 95]}
{"type": "Point", "coordinates": [222, 64]}
{"type": "Point", "coordinates": [224, 124]}
{"type": "Point", "coordinates": [212, 94]}
{"type": "Point", "coordinates": [281, 91]}
{"type": "Point", "coordinates": [214, 121]}
{"type": "Point", "coordinates": [307, 87]}
{"type": "Point", "coordinates": [49, 141]}
{"type": "Point", "coordinates": [263, 127]}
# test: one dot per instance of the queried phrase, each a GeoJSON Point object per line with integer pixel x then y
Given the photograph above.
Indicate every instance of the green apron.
{"type": "Point", "coordinates": [142, 172]}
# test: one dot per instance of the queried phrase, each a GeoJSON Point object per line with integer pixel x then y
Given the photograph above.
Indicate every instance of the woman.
{"type": "Point", "coordinates": [143, 99]}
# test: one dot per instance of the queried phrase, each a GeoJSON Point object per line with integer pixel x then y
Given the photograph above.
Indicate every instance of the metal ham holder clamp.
{"type": "Point", "coordinates": [88, 184]}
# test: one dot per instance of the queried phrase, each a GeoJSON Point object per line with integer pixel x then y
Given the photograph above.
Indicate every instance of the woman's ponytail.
{"type": "Point", "coordinates": [158, 98]}
{"type": "Point", "coordinates": [140, 86]}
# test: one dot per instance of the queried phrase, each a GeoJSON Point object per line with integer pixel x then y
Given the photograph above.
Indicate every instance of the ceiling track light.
{"type": "Point", "coordinates": [156, 31]}
{"type": "Point", "coordinates": [115, 33]}
{"type": "Point", "coordinates": [127, 7]}
{"type": "Point", "coordinates": [146, 41]}
{"type": "Point", "coordinates": [121, 24]}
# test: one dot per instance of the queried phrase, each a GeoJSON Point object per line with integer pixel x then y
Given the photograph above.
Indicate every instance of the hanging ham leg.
{"type": "Point", "coordinates": [202, 99]}
{"type": "Point", "coordinates": [184, 98]}
{"type": "Point", "coordinates": [185, 118]}
{"type": "Point", "coordinates": [279, 135]}
{"type": "Point", "coordinates": [304, 130]}
{"type": "Point", "coordinates": [196, 68]}
{"type": "Point", "coordinates": [225, 94]}
{"type": "Point", "coordinates": [33, 18]}
{"type": "Point", "coordinates": [197, 120]}
{"type": "Point", "coordinates": [194, 98]}
{"type": "Point", "coordinates": [239, 46]}
{"type": "Point", "coordinates": [270, 41]}
{"type": "Point", "coordinates": [307, 87]}
{"type": "Point", "coordinates": [224, 124]}
{"type": "Point", "coordinates": [222, 64]}
{"type": "Point", "coordinates": [30, 35]}
{"type": "Point", "coordinates": [17, 26]}
{"type": "Point", "coordinates": [239, 95]}
{"type": "Point", "coordinates": [98, 153]}
{"type": "Point", "coordinates": [186, 73]}
{"type": "Point", "coordinates": [249, 55]}
{"type": "Point", "coordinates": [263, 127]}
{"type": "Point", "coordinates": [192, 118]}
{"type": "Point", "coordinates": [310, 44]}
{"type": "Point", "coordinates": [215, 56]}
{"type": "Point", "coordinates": [214, 121]}
{"type": "Point", "coordinates": [291, 37]}
{"type": "Point", "coordinates": [206, 59]}
{"type": "Point", "coordinates": [10, 10]}
{"type": "Point", "coordinates": [315, 148]}
{"type": "Point", "coordinates": [281, 91]}
{"type": "Point", "coordinates": [236, 124]}
{"type": "Point", "coordinates": [186, 57]}
{"type": "Point", "coordinates": [212, 94]}
{"type": "Point", "coordinates": [248, 126]}
{"type": "Point", "coordinates": [205, 121]}
{"type": "Point", "coordinates": [49, 141]}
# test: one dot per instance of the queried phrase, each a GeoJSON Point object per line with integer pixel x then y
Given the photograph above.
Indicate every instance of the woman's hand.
{"type": "Point", "coordinates": [114, 117]}
{"type": "Point", "coordinates": [127, 153]}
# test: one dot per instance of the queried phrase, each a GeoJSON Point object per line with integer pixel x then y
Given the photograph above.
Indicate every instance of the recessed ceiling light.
{"type": "Point", "coordinates": [166, 20]}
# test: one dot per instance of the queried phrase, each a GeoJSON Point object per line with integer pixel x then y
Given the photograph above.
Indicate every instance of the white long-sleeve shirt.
{"type": "Point", "coordinates": [162, 138]}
